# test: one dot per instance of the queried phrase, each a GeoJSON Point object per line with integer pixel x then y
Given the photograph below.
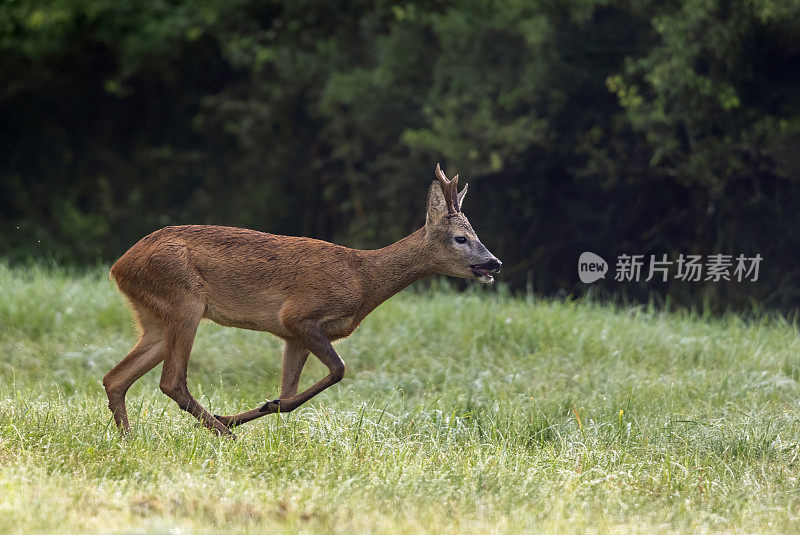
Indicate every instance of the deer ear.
{"type": "Point", "coordinates": [462, 195]}
{"type": "Point", "coordinates": [437, 207]}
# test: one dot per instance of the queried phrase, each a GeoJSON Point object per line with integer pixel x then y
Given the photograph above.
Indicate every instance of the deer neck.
{"type": "Point", "coordinates": [392, 268]}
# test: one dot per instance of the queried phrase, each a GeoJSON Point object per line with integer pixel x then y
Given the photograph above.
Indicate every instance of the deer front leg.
{"type": "Point", "coordinates": [311, 336]}
{"type": "Point", "coordinates": [294, 358]}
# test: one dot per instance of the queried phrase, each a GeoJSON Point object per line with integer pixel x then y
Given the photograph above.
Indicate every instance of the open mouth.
{"type": "Point", "coordinates": [482, 273]}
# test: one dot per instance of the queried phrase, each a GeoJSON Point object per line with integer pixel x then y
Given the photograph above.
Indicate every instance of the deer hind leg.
{"type": "Point", "coordinates": [294, 358]}
{"type": "Point", "coordinates": [149, 351]}
{"type": "Point", "coordinates": [179, 339]}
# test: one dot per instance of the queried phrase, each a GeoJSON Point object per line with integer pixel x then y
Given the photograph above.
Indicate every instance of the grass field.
{"type": "Point", "coordinates": [472, 412]}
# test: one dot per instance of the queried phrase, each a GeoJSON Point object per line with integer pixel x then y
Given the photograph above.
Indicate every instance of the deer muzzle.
{"type": "Point", "coordinates": [484, 272]}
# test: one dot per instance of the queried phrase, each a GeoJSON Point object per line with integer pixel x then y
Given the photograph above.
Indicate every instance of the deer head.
{"type": "Point", "coordinates": [456, 249]}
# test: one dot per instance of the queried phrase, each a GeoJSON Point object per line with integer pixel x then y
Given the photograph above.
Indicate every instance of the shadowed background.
{"type": "Point", "coordinates": [637, 127]}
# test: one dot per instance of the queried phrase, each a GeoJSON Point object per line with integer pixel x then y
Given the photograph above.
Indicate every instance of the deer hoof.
{"type": "Point", "coordinates": [275, 405]}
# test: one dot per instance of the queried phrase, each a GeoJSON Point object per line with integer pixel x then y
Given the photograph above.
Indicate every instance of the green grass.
{"type": "Point", "coordinates": [457, 414]}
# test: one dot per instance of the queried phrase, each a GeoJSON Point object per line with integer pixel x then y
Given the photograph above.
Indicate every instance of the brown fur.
{"type": "Point", "coordinates": [306, 291]}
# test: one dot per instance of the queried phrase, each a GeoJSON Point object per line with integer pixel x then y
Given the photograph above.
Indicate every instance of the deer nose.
{"type": "Point", "coordinates": [493, 264]}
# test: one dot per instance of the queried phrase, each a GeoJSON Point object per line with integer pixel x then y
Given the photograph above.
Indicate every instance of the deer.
{"type": "Point", "coordinates": [308, 292]}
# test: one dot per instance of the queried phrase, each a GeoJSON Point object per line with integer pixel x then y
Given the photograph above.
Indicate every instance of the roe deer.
{"type": "Point", "coordinates": [308, 292]}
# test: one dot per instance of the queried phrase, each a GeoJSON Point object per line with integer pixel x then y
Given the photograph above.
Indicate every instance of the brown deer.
{"type": "Point", "coordinates": [308, 292]}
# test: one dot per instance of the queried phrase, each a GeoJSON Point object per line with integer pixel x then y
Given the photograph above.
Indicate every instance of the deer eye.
{"type": "Point", "coordinates": [460, 239]}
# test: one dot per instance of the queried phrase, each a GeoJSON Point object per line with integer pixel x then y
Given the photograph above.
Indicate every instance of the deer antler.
{"type": "Point", "coordinates": [450, 189]}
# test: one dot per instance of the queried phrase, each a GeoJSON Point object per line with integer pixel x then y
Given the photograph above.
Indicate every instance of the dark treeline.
{"type": "Point", "coordinates": [611, 126]}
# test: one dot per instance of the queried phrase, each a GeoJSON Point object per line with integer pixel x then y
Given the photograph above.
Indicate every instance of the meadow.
{"type": "Point", "coordinates": [461, 412]}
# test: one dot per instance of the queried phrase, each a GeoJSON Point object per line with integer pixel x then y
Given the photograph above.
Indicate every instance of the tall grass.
{"type": "Point", "coordinates": [460, 412]}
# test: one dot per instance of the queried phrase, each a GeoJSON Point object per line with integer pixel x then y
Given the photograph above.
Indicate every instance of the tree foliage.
{"type": "Point", "coordinates": [606, 125]}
